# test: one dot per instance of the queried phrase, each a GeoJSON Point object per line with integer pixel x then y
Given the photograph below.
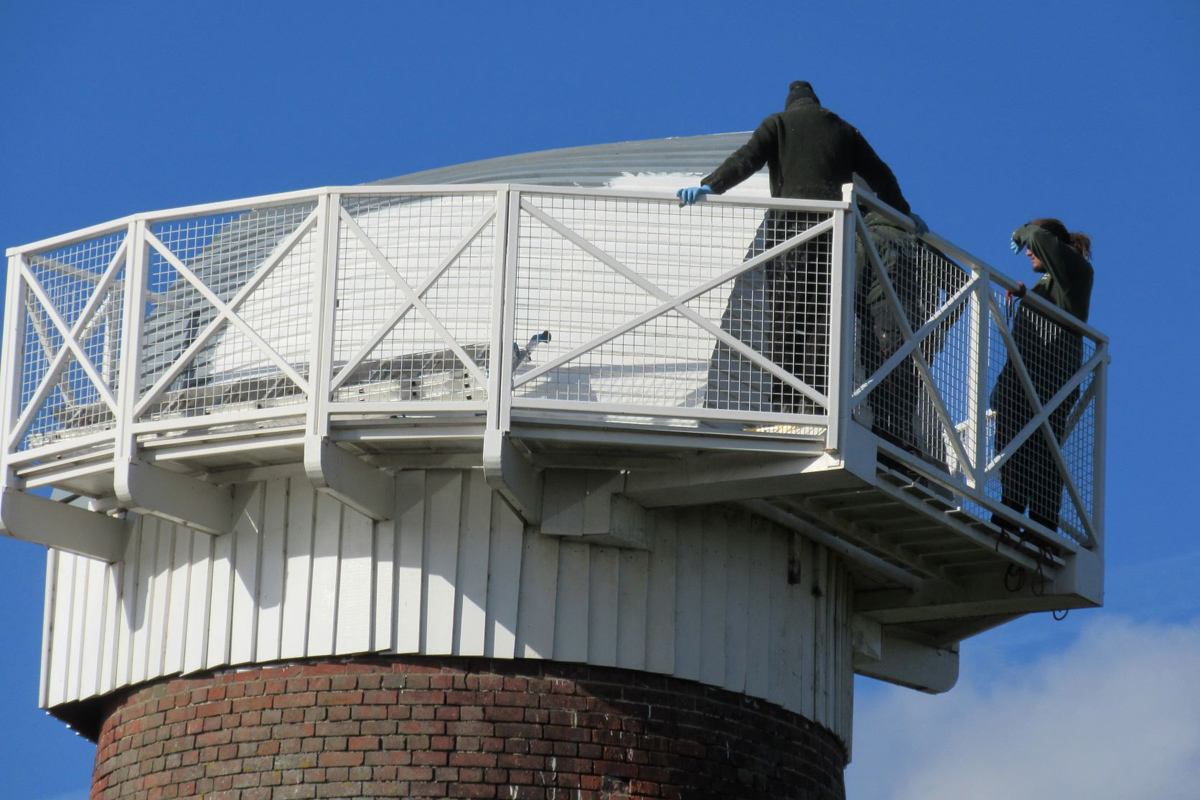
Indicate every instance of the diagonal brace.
{"type": "Point", "coordinates": [413, 298]}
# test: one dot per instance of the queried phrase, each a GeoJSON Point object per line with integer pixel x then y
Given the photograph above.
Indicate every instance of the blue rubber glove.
{"type": "Point", "coordinates": [1016, 248]}
{"type": "Point", "coordinates": [921, 227]}
{"type": "Point", "coordinates": [692, 193]}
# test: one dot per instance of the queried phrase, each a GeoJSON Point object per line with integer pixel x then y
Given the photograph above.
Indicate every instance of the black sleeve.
{"type": "Point", "coordinates": [875, 172]}
{"type": "Point", "coordinates": [746, 160]}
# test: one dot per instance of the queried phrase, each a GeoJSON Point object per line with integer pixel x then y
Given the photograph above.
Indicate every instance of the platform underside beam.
{"type": "Point", "coordinates": [178, 498]}
{"type": "Point", "coordinates": [43, 521]}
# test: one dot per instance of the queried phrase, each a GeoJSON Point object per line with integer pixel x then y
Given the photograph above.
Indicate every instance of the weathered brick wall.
{"type": "Point", "coordinates": [456, 727]}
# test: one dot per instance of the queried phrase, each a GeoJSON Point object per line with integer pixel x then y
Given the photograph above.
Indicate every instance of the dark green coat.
{"type": "Point", "coordinates": [810, 152]}
{"type": "Point", "coordinates": [1068, 279]}
{"type": "Point", "coordinates": [1052, 354]}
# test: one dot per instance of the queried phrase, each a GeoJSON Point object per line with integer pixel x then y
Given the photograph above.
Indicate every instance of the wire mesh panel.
{"type": "Point", "coordinates": [414, 296]}
{"type": "Point", "coordinates": [1026, 473]}
{"type": "Point", "coordinates": [929, 413]}
{"type": "Point", "coordinates": [651, 306]}
{"type": "Point", "coordinates": [71, 348]}
{"type": "Point", "coordinates": [259, 263]}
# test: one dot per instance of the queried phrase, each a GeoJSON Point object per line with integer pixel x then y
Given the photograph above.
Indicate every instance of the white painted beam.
{"type": "Point", "coordinates": [907, 662]}
{"type": "Point", "coordinates": [715, 479]}
{"type": "Point", "coordinates": [351, 480]}
{"type": "Point", "coordinates": [41, 520]}
{"type": "Point", "coordinates": [178, 498]}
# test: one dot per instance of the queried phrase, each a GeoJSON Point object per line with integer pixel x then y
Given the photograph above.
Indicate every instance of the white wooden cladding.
{"type": "Point", "coordinates": [455, 573]}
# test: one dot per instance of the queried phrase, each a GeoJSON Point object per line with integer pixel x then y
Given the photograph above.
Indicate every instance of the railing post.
{"type": "Point", "coordinates": [977, 375]}
{"type": "Point", "coordinates": [504, 292]}
{"type": "Point", "coordinates": [1099, 445]}
{"type": "Point", "coordinates": [324, 308]}
{"type": "Point", "coordinates": [504, 467]}
{"type": "Point", "coordinates": [10, 365]}
{"type": "Point", "coordinates": [132, 315]}
{"type": "Point", "coordinates": [841, 324]}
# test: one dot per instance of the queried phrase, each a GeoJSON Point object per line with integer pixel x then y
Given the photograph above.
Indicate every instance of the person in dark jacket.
{"type": "Point", "coordinates": [1052, 353]}
{"type": "Point", "coordinates": [810, 152]}
{"type": "Point", "coordinates": [923, 279]}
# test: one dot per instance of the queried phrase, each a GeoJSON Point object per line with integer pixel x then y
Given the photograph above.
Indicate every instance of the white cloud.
{"type": "Point", "coordinates": [1114, 715]}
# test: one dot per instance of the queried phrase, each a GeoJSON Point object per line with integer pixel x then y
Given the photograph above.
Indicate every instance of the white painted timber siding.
{"type": "Point", "coordinates": [456, 572]}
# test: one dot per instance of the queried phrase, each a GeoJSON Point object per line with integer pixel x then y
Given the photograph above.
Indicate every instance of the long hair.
{"type": "Point", "coordinates": [1080, 241]}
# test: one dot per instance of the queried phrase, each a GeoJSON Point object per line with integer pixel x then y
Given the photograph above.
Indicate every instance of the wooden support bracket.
{"type": "Point", "coordinates": [41, 520]}
{"type": "Point", "coordinates": [589, 504]}
{"type": "Point", "coordinates": [508, 472]}
{"type": "Point", "coordinates": [181, 499]}
{"type": "Point", "coordinates": [335, 472]}
{"type": "Point", "coordinates": [882, 654]}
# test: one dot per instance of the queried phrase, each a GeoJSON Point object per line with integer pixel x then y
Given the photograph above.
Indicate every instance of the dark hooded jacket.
{"type": "Point", "coordinates": [810, 152]}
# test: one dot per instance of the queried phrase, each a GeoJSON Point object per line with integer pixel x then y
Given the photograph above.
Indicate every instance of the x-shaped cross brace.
{"type": "Point", "coordinates": [678, 303]}
{"type": "Point", "coordinates": [70, 341]}
{"type": "Point", "coordinates": [413, 299]}
{"type": "Point", "coordinates": [225, 313]}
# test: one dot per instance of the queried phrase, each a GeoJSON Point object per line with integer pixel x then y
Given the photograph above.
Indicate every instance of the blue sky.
{"type": "Point", "coordinates": [990, 113]}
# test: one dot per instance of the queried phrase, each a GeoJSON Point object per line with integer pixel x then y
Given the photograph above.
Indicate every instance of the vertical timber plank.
{"type": "Point", "coordinates": [713, 598]}
{"type": "Point", "coordinates": [504, 579]}
{"type": "Point", "coordinates": [660, 595]}
{"type": "Point", "coordinates": [571, 602]}
{"type": "Point", "coordinates": [632, 609]}
{"type": "Point", "coordinates": [472, 583]}
{"type": "Point", "coordinates": [384, 580]}
{"type": "Point", "coordinates": [737, 603]}
{"type": "Point", "coordinates": [273, 572]}
{"type": "Point", "coordinates": [112, 634]}
{"type": "Point", "coordinates": [60, 638]}
{"type": "Point", "coordinates": [778, 668]}
{"type": "Point", "coordinates": [128, 604]}
{"type": "Point", "coordinates": [808, 644]}
{"type": "Point", "coordinates": [293, 641]}
{"type": "Point", "coordinates": [222, 600]}
{"type": "Point", "coordinates": [48, 597]}
{"type": "Point", "coordinates": [143, 605]}
{"type": "Point", "coordinates": [796, 628]}
{"type": "Point", "coordinates": [199, 600]}
{"type": "Point", "coordinates": [821, 643]}
{"type": "Point", "coordinates": [603, 598]}
{"type": "Point", "coordinates": [160, 594]}
{"type": "Point", "coordinates": [327, 537]}
{"type": "Point", "coordinates": [355, 592]}
{"type": "Point", "coordinates": [443, 509]}
{"type": "Point", "coordinates": [758, 623]}
{"type": "Point", "coordinates": [95, 629]}
{"type": "Point", "coordinates": [247, 529]}
{"type": "Point", "coordinates": [410, 559]}
{"type": "Point", "coordinates": [78, 627]}
{"type": "Point", "coordinates": [539, 589]}
{"type": "Point", "coordinates": [177, 606]}
{"type": "Point", "coordinates": [688, 577]}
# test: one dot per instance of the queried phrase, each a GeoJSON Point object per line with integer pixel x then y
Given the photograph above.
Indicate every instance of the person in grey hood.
{"type": "Point", "coordinates": [782, 308]}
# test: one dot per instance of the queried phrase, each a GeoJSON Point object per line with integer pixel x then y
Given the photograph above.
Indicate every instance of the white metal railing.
{"type": "Point", "coordinates": [1017, 427]}
{"type": "Point", "coordinates": [787, 319]}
